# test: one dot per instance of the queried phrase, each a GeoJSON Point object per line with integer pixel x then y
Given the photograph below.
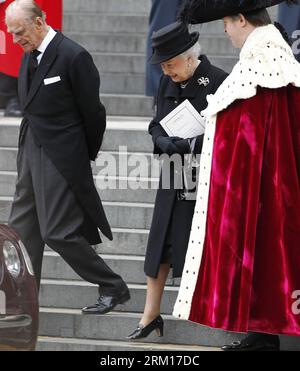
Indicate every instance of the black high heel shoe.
{"type": "Point", "coordinates": [143, 331]}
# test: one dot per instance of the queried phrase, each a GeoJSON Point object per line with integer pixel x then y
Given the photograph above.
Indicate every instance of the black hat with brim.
{"type": "Point", "coordinates": [203, 11]}
{"type": "Point", "coordinates": [171, 41]}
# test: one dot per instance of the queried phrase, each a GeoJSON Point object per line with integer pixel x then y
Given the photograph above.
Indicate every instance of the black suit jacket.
{"type": "Point", "coordinates": [68, 121]}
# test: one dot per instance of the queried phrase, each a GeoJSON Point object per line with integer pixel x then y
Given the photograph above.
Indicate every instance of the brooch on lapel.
{"type": "Point", "coordinates": [203, 81]}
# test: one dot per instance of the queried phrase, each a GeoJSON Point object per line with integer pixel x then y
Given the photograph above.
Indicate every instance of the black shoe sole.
{"type": "Point", "coordinates": [265, 349]}
{"type": "Point", "coordinates": [123, 300]}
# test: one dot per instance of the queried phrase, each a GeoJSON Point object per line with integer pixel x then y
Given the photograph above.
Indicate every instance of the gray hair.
{"type": "Point", "coordinates": [30, 9]}
{"type": "Point", "coordinates": [193, 52]}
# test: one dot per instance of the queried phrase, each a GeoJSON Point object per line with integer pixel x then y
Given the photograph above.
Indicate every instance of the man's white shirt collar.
{"type": "Point", "coordinates": [45, 43]}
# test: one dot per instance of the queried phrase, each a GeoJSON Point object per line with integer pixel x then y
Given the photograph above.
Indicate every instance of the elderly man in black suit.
{"type": "Point", "coordinates": [56, 202]}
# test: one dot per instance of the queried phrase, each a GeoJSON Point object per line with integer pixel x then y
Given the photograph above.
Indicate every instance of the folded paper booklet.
{"type": "Point", "coordinates": [184, 122]}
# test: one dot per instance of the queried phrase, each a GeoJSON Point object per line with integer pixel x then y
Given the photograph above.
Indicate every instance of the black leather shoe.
{"type": "Point", "coordinates": [255, 343]}
{"type": "Point", "coordinates": [13, 108]}
{"type": "Point", "coordinates": [106, 304]}
{"type": "Point", "coordinates": [143, 331]}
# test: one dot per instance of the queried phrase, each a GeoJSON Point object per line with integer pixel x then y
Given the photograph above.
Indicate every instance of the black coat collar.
{"type": "Point", "coordinates": [46, 62]}
{"type": "Point", "coordinates": [173, 90]}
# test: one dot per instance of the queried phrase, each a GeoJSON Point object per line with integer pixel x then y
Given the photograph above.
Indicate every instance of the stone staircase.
{"type": "Point", "coordinates": [115, 32]}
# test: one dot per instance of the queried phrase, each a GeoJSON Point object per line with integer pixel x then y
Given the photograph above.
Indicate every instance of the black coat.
{"type": "Point", "coordinates": [68, 121]}
{"type": "Point", "coordinates": [172, 219]}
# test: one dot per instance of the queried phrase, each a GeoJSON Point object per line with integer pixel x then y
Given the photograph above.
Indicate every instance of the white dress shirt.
{"type": "Point", "coordinates": [47, 40]}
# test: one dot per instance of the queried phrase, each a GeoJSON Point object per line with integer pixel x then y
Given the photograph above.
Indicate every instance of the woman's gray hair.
{"type": "Point", "coordinates": [30, 8]}
{"type": "Point", "coordinates": [193, 52]}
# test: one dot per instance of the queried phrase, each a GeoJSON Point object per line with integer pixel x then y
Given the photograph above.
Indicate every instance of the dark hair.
{"type": "Point", "coordinates": [257, 18]}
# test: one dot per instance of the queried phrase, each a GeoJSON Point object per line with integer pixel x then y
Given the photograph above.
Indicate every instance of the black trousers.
{"type": "Point", "coordinates": [45, 211]}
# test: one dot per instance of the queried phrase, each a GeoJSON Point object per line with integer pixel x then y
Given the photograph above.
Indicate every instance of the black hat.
{"type": "Point", "coordinates": [202, 11]}
{"type": "Point", "coordinates": [171, 41]}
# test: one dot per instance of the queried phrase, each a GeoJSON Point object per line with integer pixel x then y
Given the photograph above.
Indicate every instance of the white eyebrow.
{"type": "Point", "coordinates": [18, 30]}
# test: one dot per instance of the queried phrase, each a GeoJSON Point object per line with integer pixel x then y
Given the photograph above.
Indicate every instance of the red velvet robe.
{"type": "Point", "coordinates": [11, 61]}
{"type": "Point", "coordinates": [251, 256]}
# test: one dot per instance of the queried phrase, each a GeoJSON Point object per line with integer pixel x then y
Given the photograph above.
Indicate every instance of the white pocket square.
{"type": "Point", "coordinates": [52, 80]}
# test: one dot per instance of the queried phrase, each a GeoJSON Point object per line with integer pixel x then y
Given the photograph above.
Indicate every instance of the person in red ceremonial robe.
{"type": "Point", "coordinates": [242, 268]}
{"type": "Point", "coordinates": [11, 55]}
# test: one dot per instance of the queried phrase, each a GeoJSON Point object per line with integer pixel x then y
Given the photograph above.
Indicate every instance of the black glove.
{"type": "Point", "coordinates": [167, 144]}
{"type": "Point", "coordinates": [183, 146]}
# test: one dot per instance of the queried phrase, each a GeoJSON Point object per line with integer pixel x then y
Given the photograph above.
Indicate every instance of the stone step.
{"type": "Point", "coordinates": [130, 23]}
{"type": "Point", "coordinates": [130, 132]}
{"type": "Point", "coordinates": [218, 44]}
{"type": "Point", "coordinates": [5, 206]}
{"type": "Point", "coordinates": [123, 161]}
{"type": "Point", "coordinates": [128, 242]}
{"type": "Point", "coordinates": [107, 6]}
{"type": "Point", "coordinates": [128, 63]}
{"type": "Point", "coordinates": [117, 105]}
{"type": "Point", "coordinates": [128, 105]}
{"type": "Point", "coordinates": [51, 344]}
{"type": "Point", "coordinates": [65, 344]}
{"type": "Point", "coordinates": [119, 214]}
{"type": "Point", "coordinates": [115, 83]}
{"type": "Point", "coordinates": [119, 63]}
{"type": "Point", "coordinates": [7, 183]}
{"type": "Point", "coordinates": [110, 42]}
{"type": "Point", "coordinates": [136, 191]}
{"type": "Point", "coordinates": [112, 189]}
{"type": "Point", "coordinates": [70, 323]}
{"type": "Point", "coordinates": [77, 294]}
{"type": "Point", "coordinates": [131, 268]}
{"type": "Point", "coordinates": [8, 159]}
{"type": "Point", "coordinates": [133, 23]}
{"type": "Point", "coordinates": [9, 132]}
{"type": "Point", "coordinates": [125, 242]}
{"type": "Point", "coordinates": [98, 22]}
{"type": "Point", "coordinates": [123, 6]}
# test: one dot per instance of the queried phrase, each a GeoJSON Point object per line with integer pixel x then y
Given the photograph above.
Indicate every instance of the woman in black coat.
{"type": "Point", "coordinates": [186, 76]}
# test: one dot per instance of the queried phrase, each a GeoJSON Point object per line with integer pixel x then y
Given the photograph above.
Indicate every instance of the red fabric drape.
{"type": "Point", "coordinates": [251, 260]}
{"type": "Point", "coordinates": [11, 61]}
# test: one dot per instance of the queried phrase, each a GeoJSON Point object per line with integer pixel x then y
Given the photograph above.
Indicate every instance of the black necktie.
{"type": "Point", "coordinates": [33, 66]}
